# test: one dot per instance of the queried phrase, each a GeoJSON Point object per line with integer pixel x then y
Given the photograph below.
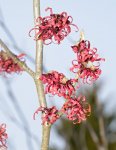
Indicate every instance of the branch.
{"type": "Point", "coordinates": [39, 71]}
{"type": "Point", "coordinates": [39, 58]}
{"type": "Point", "coordinates": [17, 60]}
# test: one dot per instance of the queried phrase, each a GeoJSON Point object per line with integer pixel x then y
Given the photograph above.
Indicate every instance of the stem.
{"type": "Point", "coordinates": [39, 58]}
{"type": "Point", "coordinates": [17, 60]}
{"type": "Point", "coordinates": [39, 43]}
{"type": "Point", "coordinates": [39, 85]}
{"type": "Point", "coordinates": [46, 137]}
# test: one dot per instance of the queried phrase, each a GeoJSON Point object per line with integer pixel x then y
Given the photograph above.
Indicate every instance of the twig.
{"type": "Point", "coordinates": [17, 60]}
{"type": "Point", "coordinates": [12, 39]}
{"type": "Point", "coordinates": [39, 85]}
{"type": "Point", "coordinates": [39, 58]}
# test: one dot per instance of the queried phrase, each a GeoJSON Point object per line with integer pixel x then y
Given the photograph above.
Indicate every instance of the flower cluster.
{"type": "Point", "coordinates": [49, 115]}
{"type": "Point", "coordinates": [87, 63]}
{"type": "Point", "coordinates": [7, 65]}
{"type": "Point", "coordinates": [3, 135]}
{"type": "Point", "coordinates": [53, 28]}
{"type": "Point", "coordinates": [76, 109]}
{"type": "Point", "coordinates": [87, 68]}
{"type": "Point", "coordinates": [58, 84]}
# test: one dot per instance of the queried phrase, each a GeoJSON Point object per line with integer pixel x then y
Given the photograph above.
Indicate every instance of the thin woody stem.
{"type": "Point", "coordinates": [39, 71]}
{"type": "Point", "coordinates": [16, 60]}
{"type": "Point", "coordinates": [46, 137]}
{"type": "Point", "coordinates": [39, 58]}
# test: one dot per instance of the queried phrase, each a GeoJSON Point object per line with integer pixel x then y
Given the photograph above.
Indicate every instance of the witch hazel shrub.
{"type": "Point", "coordinates": [54, 28]}
{"type": "Point", "coordinates": [85, 66]}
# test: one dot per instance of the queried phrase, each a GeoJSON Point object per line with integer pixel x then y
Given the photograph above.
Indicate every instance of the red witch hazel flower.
{"type": "Point", "coordinates": [58, 84]}
{"type": "Point", "coordinates": [53, 28]}
{"type": "Point", "coordinates": [3, 136]}
{"type": "Point", "coordinates": [50, 115]}
{"type": "Point", "coordinates": [76, 109]}
{"type": "Point", "coordinates": [87, 63]}
{"type": "Point", "coordinates": [7, 65]}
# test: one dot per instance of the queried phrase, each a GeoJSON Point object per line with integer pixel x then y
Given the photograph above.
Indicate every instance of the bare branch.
{"type": "Point", "coordinates": [17, 60]}
{"type": "Point", "coordinates": [39, 58]}
{"type": "Point", "coordinates": [39, 71]}
{"type": "Point", "coordinates": [39, 43]}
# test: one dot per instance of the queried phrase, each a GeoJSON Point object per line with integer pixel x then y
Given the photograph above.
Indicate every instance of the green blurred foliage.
{"type": "Point", "coordinates": [78, 137]}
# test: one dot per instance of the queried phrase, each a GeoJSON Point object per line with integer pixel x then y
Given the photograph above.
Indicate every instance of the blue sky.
{"type": "Point", "coordinates": [96, 18]}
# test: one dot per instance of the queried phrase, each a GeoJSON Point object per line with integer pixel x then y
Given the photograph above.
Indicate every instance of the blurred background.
{"type": "Point", "coordinates": [18, 98]}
